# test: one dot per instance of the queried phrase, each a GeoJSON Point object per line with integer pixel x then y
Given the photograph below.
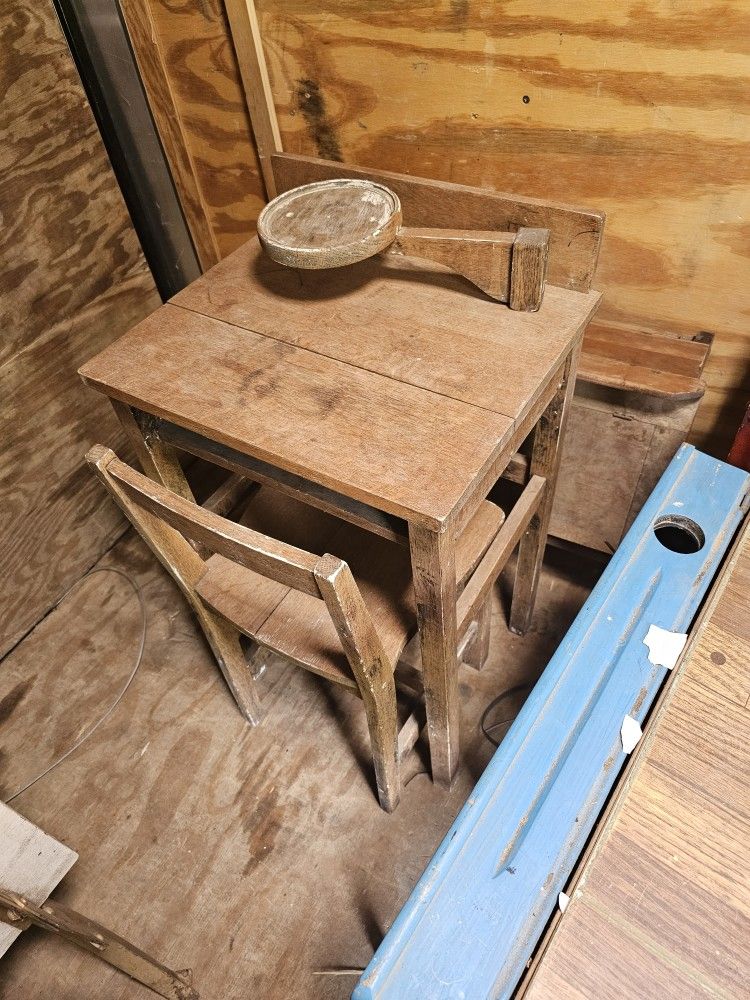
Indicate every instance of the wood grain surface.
{"type": "Point", "coordinates": [31, 864]}
{"type": "Point", "coordinates": [272, 400]}
{"type": "Point", "coordinates": [662, 906]}
{"type": "Point", "coordinates": [575, 233]}
{"type": "Point", "coordinates": [257, 857]}
{"type": "Point", "coordinates": [192, 80]}
{"type": "Point", "coordinates": [384, 411]}
{"type": "Point", "coordinates": [72, 280]}
{"type": "Point", "coordinates": [329, 224]}
{"type": "Point", "coordinates": [639, 111]}
{"type": "Point", "coordinates": [410, 321]}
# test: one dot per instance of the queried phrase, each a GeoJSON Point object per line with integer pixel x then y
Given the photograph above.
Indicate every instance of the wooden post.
{"type": "Point", "coordinates": [476, 650]}
{"type": "Point", "coordinates": [158, 460]}
{"type": "Point", "coordinates": [528, 269]}
{"type": "Point", "coordinates": [243, 23]}
{"type": "Point", "coordinates": [433, 559]}
{"type": "Point", "coordinates": [545, 462]}
{"type": "Point", "coordinates": [371, 668]}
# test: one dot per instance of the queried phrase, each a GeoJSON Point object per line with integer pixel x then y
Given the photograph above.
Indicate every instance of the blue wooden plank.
{"type": "Point", "coordinates": [481, 905]}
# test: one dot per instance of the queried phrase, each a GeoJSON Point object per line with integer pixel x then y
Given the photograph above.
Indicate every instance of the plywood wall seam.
{"type": "Point", "coordinates": [184, 176]}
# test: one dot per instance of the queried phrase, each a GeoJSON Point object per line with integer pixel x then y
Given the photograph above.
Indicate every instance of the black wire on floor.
{"type": "Point", "coordinates": [128, 682]}
{"type": "Point", "coordinates": [508, 693]}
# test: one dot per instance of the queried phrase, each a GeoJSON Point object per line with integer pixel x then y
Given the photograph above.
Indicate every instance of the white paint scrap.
{"type": "Point", "coordinates": [630, 733]}
{"type": "Point", "coordinates": [562, 901]}
{"type": "Point", "coordinates": [664, 647]}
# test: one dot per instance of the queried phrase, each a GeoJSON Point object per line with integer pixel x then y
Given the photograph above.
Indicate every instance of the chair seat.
{"type": "Point", "coordinates": [298, 626]}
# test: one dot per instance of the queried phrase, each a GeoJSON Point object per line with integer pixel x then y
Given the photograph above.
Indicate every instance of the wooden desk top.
{"type": "Point", "coordinates": [664, 906]}
{"type": "Point", "coordinates": [389, 381]}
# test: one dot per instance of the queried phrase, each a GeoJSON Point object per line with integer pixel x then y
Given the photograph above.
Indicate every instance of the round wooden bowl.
{"type": "Point", "coordinates": [330, 223]}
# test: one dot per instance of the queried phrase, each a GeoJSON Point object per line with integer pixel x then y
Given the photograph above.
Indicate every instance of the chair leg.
{"type": "Point", "coordinates": [477, 649]}
{"type": "Point", "coordinates": [545, 461]}
{"type": "Point", "coordinates": [371, 669]}
{"type": "Point", "coordinates": [380, 709]}
{"type": "Point", "coordinates": [225, 644]}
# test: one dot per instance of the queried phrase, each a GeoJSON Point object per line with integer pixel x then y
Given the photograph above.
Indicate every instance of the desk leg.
{"type": "Point", "coordinates": [159, 461]}
{"type": "Point", "coordinates": [433, 560]}
{"type": "Point", "coordinates": [545, 461]}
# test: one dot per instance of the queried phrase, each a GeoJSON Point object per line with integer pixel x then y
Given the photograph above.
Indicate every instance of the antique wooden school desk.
{"type": "Point", "coordinates": [391, 392]}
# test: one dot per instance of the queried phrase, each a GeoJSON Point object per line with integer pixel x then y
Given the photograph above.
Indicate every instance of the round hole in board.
{"type": "Point", "coordinates": [679, 534]}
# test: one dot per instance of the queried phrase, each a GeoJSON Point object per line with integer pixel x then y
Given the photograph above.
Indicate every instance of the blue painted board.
{"type": "Point", "coordinates": [476, 914]}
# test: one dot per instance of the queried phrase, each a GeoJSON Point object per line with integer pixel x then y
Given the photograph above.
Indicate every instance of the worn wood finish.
{"type": "Point", "coordinates": [73, 279]}
{"type": "Point", "coordinates": [635, 401]}
{"type": "Point", "coordinates": [679, 826]}
{"type": "Point", "coordinates": [430, 447]}
{"type": "Point", "coordinates": [230, 495]}
{"type": "Point", "coordinates": [181, 811]}
{"type": "Point", "coordinates": [268, 392]}
{"type": "Point", "coordinates": [31, 863]}
{"type": "Point", "coordinates": [575, 234]}
{"type": "Point", "coordinates": [276, 577]}
{"type": "Point", "coordinates": [288, 564]}
{"type": "Point", "coordinates": [546, 452]}
{"type": "Point", "coordinates": [528, 269]}
{"type": "Point", "coordinates": [643, 361]}
{"type": "Point", "coordinates": [495, 558]}
{"type": "Point", "coordinates": [476, 650]}
{"type": "Point", "coordinates": [372, 669]}
{"type": "Point", "coordinates": [355, 379]}
{"type": "Point", "coordinates": [434, 580]}
{"type": "Point", "coordinates": [640, 114]}
{"type": "Point", "coordinates": [329, 224]}
{"type": "Point", "coordinates": [373, 382]}
{"type": "Point", "coordinates": [484, 258]}
{"type": "Point", "coordinates": [420, 327]}
{"type": "Point", "coordinates": [248, 48]}
{"type": "Point", "coordinates": [193, 83]}
{"type": "Point", "coordinates": [157, 458]}
{"type": "Point", "coordinates": [366, 516]}
{"type": "Point", "coordinates": [186, 567]}
{"type": "Point", "coordinates": [297, 625]}
{"type": "Point", "coordinates": [634, 435]}
{"type": "Point", "coordinates": [98, 940]}
{"type": "Point", "coordinates": [343, 221]}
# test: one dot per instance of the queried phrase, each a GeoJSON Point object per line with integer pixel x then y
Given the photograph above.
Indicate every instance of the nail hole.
{"type": "Point", "coordinates": [679, 534]}
{"type": "Point", "coordinates": [525, 98]}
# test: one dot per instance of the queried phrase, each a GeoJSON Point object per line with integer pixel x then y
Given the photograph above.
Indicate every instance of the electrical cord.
{"type": "Point", "coordinates": [508, 693]}
{"type": "Point", "coordinates": [141, 647]}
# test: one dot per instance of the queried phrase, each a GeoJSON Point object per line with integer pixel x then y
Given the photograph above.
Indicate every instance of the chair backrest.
{"type": "Point", "coordinates": [167, 521]}
{"type": "Point", "coordinates": [271, 558]}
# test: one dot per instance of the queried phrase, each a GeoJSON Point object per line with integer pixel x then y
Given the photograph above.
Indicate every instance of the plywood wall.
{"type": "Point", "coordinates": [72, 279]}
{"type": "Point", "coordinates": [187, 62]}
{"type": "Point", "coordinates": [640, 109]}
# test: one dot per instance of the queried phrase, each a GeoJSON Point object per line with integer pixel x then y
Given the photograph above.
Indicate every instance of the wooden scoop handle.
{"type": "Point", "coordinates": [509, 267]}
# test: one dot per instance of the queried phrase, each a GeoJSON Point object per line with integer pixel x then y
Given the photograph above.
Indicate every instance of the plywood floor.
{"type": "Point", "coordinates": [257, 857]}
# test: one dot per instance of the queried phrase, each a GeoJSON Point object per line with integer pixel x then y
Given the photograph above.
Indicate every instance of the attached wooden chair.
{"type": "Point", "coordinates": [346, 617]}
